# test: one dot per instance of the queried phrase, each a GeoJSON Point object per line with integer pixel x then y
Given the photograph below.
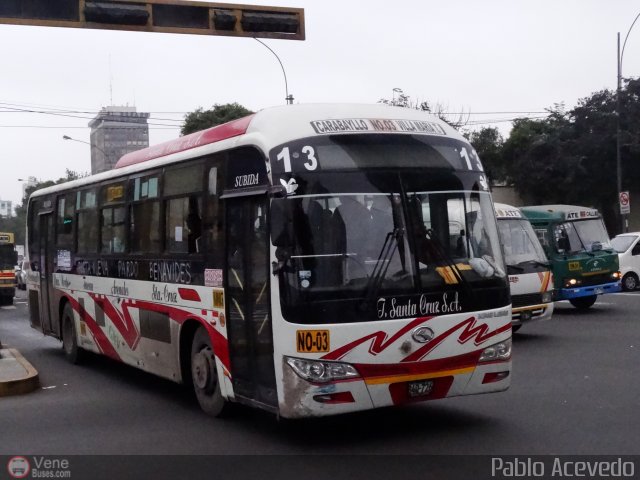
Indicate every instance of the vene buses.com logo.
{"type": "Point", "coordinates": [18, 467]}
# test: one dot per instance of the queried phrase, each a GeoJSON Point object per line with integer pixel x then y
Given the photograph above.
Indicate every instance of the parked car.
{"type": "Point", "coordinates": [21, 278]}
{"type": "Point", "coordinates": [628, 248]}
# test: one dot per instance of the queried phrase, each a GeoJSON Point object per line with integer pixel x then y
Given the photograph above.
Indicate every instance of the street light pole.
{"type": "Point", "coordinates": [618, 160]}
{"type": "Point", "coordinates": [288, 97]}
{"type": "Point", "coordinates": [106, 157]}
{"type": "Point", "coordinates": [623, 218]}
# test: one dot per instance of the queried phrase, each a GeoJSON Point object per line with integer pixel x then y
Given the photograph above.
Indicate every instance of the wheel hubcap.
{"type": "Point", "coordinates": [203, 370]}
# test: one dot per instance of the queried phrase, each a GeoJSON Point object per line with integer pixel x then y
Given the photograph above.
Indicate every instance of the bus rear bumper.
{"type": "Point", "coordinates": [569, 293]}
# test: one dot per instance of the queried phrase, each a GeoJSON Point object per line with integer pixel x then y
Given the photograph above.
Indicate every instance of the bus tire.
{"type": "Point", "coordinates": [582, 303]}
{"type": "Point", "coordinates": [630, 282]}
{"type": "Point", "coordinates": [204, 376]}
{"type": "Point", "coordinates": [72, 352]}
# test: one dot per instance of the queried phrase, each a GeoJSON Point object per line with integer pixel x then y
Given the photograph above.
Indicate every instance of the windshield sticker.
{"type": "Point", "coordinates": [64, 259]}
{"type": "Point", "coordinates": [212, 277]}
{"type": "Point", "coordinates": [350, 125]}
{"type": "Point", "coordinates": [291, 186]}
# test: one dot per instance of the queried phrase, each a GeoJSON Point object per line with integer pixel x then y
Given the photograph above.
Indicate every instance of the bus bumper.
{"type": "Point", "coordinates": [569, 293]}
{"type": "Point", "coordinates": [304, 399]}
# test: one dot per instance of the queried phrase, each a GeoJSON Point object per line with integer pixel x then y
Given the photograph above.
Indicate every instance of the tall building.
{"type": "Point", "coordinates": [6, 208]}
{"type": "Point", "coordinates": [114, 132]}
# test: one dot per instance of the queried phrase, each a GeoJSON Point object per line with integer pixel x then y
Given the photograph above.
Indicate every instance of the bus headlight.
{"type": "Point", "coordinates": [321, 372]}
{"type": "Point", "coordinates": [547, 297]}
{"type": "Point", "coordinates": [572, 282]}
{"type": "Point", "coordinates": [499, 351]}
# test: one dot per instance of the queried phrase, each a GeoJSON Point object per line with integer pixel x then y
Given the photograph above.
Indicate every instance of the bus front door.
{"type": "Point", "coordinates": [248, 302]}
{"type": "Point", "coordinates": [45, 267]}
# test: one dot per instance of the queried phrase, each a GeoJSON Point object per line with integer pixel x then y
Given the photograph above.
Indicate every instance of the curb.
{"type": "Point", "coordinates": [25, 379]}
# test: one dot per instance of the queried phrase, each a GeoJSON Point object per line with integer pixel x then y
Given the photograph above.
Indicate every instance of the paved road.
{"type": "Point", "coordinates": [575, 391]}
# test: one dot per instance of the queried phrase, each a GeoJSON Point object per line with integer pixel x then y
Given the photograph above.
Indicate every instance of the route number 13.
{"type": "Point", "coordinates": [285, 157]}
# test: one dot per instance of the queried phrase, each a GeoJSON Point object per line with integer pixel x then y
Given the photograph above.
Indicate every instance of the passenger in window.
{"type": "Point", "coordinates": [194, 226]}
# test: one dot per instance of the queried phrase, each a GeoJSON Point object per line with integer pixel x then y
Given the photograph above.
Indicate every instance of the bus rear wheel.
{"type": "Point", "coordinates": [72, 351]}
{"type": "Point", "coordinates": [204, 376]}
{"type": "Point", "coordinates": [582, 303]}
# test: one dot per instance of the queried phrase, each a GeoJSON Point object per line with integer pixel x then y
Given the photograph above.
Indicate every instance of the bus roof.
{"type": "Point", "coordinates": [506, 211]}
{"type": "Point", "coordinates": [559, 213]}
{"type": "Point", "coordinates": [284, 123]}
{"type": "Point", "coordinates": [275, 126]}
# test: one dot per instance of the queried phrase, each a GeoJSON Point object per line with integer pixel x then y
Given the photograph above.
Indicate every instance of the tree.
{"type": "Point", "coordinates": [201, 119]}
{"type": "Point", "coordinates": [17, 224]}
{"type": "Point", "coordinates": [488, 144]}
{"type": "Point", "coordinates": [439, 110]}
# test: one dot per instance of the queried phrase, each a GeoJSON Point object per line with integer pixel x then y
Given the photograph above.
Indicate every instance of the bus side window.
{"type": "Point", "coordinates": [87, 219]}
{"type": "Point", "coordinates": [213, 220]}
{"type": "Point", "coordinates": [64, 221]}
{"type": "Point", "coordinates": [113, 218]}
{"type": "Point", "coordinates": [183, 215]}
{"type": "Point", "coordinates": [144, 215]}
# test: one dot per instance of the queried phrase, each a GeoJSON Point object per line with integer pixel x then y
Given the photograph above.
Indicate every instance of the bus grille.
{"type": "Point", "coordinates": [526, 300]}
{"type": "Point", "coordinates": [597, 279]}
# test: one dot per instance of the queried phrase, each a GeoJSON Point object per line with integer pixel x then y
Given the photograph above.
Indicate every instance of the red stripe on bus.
{"type": "Point", "coordinates": [123, 322]}
{"type": "Point", "coordinates": [479, 333]}
{"type": "Point", "coordinates": [98, 335]}
{"type": "Point", "coordinates": [372, 370]}
{"type": "Point", "coordinates": [379, 341]}
{"type": "Point", "coordinates": [219, 342]}
{"type": "Point", "coordinates": [194, 140]}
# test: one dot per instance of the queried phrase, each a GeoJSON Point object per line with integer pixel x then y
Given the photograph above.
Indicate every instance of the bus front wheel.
{"type": "Point", "coordinates": [582, 303]}
{"type": "Point", "coordinates": [72, 352]}
{"type": "Point", "coordinates": [206, 383]}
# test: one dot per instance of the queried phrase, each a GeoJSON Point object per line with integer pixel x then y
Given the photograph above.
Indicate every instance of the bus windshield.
{"type": "Point", "coordinates": [349, 245]}
{"type": "Point", "coordinates": [520, 242]}
{"type": "Point", "coordinates": [588, 235]}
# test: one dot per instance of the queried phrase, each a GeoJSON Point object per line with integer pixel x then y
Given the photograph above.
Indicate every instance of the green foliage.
{"type": "Point", "coordinates": [400, 99]}
{"type": "Point", "coordinates": [202, 119]}
{"type": "Point", "coordinates": [488, 145]}
{"type": "Point", "coordinates": [570, 157]}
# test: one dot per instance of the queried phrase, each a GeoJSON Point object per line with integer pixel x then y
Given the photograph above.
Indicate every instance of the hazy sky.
{"type": "Point", "coordinates": [468, 55]}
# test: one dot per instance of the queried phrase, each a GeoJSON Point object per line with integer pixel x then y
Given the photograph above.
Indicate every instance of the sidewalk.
{"type": "Point", "coordinates": [17, 375]}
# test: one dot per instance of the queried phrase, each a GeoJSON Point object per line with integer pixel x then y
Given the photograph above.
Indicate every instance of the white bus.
{"type": "Point", "coordinates": [309, 260]}
{"type": "Point", "coordinates": [529, 270]}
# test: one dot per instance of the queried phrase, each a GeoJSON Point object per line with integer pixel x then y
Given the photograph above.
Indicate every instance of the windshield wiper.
{"type": "Point", "coordinates": [379, 273]}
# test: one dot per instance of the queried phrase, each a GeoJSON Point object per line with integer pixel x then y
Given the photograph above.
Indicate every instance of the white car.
{"type": "Point", "coordinates": [21, 280]}
{"type": "Point", "coordinates": [628, 248]}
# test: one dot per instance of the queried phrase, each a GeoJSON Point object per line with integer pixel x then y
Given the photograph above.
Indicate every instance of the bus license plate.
{"type": "Point", "coordinates": [420, 388]}
{"type": "Point", "coordinates": [312, 341]}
